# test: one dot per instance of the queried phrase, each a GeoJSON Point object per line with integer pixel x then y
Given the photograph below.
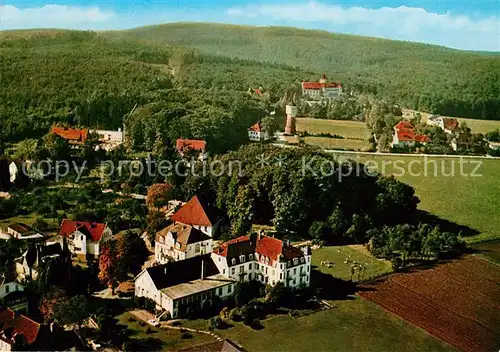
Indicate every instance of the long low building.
{"type": "Point", "coordinates": [185, 285]}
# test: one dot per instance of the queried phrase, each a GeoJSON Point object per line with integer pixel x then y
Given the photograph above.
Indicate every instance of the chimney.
{"type": "Point", "coordinates": [203, 270]}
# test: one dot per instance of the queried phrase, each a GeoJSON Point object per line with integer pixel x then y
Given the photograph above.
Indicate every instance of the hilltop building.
{"type": "Point", "coordinates": [322, 90]}
{"type": "Point", "coordinates": [184, 146]}
{"type": "Point", "coordinates": [405, 136]}
{"type": "Point", "coordinates": [179, 242]}
{"type": "Point", "coordinates": [109, 140]}
{"type": "Point", "coordinates": [76, 137]}
{"type": "Point", "coordinates": [85, 238]}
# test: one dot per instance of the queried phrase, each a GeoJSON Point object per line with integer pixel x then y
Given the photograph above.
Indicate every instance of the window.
{"type": "Point", "coordinates": [250, 257]}
{"type": "Point", "coordinates": [295, 261]}
{"type": "Point", "coordinates": [224, 271]}
{"type": "Point", "coordinates": [302, 259]}
{"type": "Point", "coordinates": [294, 271]}
{"type": "Point", "coordinates": [233, 261]}
{"type": "Point", "coordinates": [7, 288]}
{"type": "Point", "coordinates": [232, 271]}
{"type": "Point", "coordinates": [301, 269]}
{"type": "Point", "coordinates": [242, 268]}
{"type": "Point", "coordinates": [197, 248]}
{"type": "Point", "coordinates": [242, 258]}
{"type": "Point", "coordinates": [250, 266]}
{"type": "Point", "coordinates": [218, 292]}
{"type": "Point", "coordinates": [256, 256]}
{"type": "Point", "coordinates": [257, 266]}
{"type": "Point", "coordinates": [266, 271]}
{"type": "Point", "coordinates": [281, 276]}
{"type": "Point", "coordinates": [229, 289]}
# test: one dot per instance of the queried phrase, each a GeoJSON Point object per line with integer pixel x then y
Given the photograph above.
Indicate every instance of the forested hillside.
{"type": "Point", "coordinates": [85, 79]}
{"type": "Point", "coordinates": [418, 76]}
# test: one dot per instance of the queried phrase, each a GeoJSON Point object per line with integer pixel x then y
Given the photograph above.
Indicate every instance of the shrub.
{"type": "Point", "coordinates": [185, 335]}
{"type": "Point", "coordinates": [149, 330]}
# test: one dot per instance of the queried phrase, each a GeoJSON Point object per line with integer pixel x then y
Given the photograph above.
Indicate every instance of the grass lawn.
{"type": "Point", "coordinates": [25, 219]}
{"type": "Point", "coordinates": [490, 251]}
{"type": "Point", "coordinates": [170, 339]}
{"type": "Point", "coordinates": [353, 325]}
{"type": "Point", "coordinates": [338, 254]}
{"type": "Point", "coordinates": [348, 129]}
{"type": "Point", "coordinates": [335, 143]}
{"type": "Point", "coordinates": [465, 200]}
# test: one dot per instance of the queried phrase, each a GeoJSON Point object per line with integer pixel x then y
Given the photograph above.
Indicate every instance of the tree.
{"type": "Point", "coordinates": [56, 147]}
{"type": "Point", "coordinates": [246, 291]}
{"type": "Point", "coordinates": [276, 294]}
{"type": "Point", "coordinates": [72, 311]}
{"type": "Point", "coordinates": [20, 343]}
{"type": "Point", "coordinates": [270, 125]}
{"type": "Point", "coordinates": [158, 195]}
{"type": "Point", "coordinates": [50, 301]}
{"type": "Point", "coordinates": [318, 230]}
{"type": "Point", "coordinates": [132, 252]}
{"type": "Point", "coordinates": [26, 149]}
{"type": "Point", "coordinates": [109, 265]}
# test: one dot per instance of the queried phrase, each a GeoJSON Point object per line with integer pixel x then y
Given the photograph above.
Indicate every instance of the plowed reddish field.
{"type": "Point", "coordinates": [458, 302]}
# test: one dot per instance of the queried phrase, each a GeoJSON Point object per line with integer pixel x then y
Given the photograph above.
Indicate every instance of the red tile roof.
{"type": "Point", "coordinates": [21, 325]}
{"type": "Point", "coordinates": [71, 134]}
{"type": "Point", "coordinates": [450, 124]}
{"type": "Point", "coordinates": [95, 230]}
{"type": "Point", "coordinates": [422, 138]}
{"type": "Point", "coordinates": [195, 212]}
{"type": "Point", "coordinates": [317, 85]}
{"type": "Point", "coordinates": [257, 91]}
{"type": "Point", "coordinates": [404, 125]}
{"type": "Point", "coordinates": [406, 136]}
{"type": "Point", "coordinates": [256, 127]}
{"type": "Point", "coordinates": [266, 246]}
{"type": "Point", "coordinates": [196, 144]}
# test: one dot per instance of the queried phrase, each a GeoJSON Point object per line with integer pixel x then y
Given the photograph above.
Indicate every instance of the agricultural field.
{"type": "Point", "coordinates": [457, 302]}
{"type": "Point", "coordinates": [336, 143]}
{"type": "Point", "coordinates": [351, 325]}
{"type": "Point", "coordinates": [342, 257]}
{"type": "Point", "coordinates": [355, 133]}
{"type": "Point", "coordinates": [468, 201]}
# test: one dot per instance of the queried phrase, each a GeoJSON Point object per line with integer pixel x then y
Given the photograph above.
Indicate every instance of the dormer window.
{"type": "Point", "coordinates": [295, 261]}
{"type": "Point", "coordinates": [288, 264]}
{"type": "Point", "coordinates": [302, 259]}
{"type": "Point", "coordinates": [256, 256]}
{"type": "Point", "coordinates": [267, 260]}
{"type": "Point", "coordinates": [233, 261]}
{"type": "Point", "coordinates": [242, 258]}
{"type": "Point", "coordinates": [250, 257]}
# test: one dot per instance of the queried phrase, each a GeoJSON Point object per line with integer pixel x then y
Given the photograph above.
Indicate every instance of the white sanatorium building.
{"type": "Point", "coordinates": [187, 284]}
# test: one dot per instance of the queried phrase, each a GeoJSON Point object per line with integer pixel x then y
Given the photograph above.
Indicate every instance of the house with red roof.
{"type": "Point", "coordinates": [203, 216]}
{"type": "Point", "coordinates": [198, 146]}
{"type": "Point", "coordinates": [75, 136]}
{"type": "Point", "coordinates": [447, 124]}
{"type": "Point", "coordinates": [12, 326]}
{"type": "Point", "coordinates": [322, 90]}
{"type": "Point", "coordinates": [84, 238]}
{"type": "Point", "coordinates": [405, 136]}
{"type": "Point", "coordinates": [256, 133]}
{"type": "Point", "coordinates": [265, 259]}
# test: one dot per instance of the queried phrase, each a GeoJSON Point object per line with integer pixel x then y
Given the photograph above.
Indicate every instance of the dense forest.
{"type": "Point", "coordinates": [192, 80]}
{"type": "Point", "coordinates": [418, 76]}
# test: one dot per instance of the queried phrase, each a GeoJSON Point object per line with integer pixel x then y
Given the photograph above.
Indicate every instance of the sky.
{"type": "Point", "coordinates": [460, 24]}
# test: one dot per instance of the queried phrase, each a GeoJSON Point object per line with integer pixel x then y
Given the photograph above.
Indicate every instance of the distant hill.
{"type": "Point", "coordinates": [419, 76]}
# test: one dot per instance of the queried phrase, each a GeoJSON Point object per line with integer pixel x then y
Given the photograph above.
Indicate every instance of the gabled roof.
{"type": "Point", "coordinates": [422, 138]}
{"type": "Point", "coordinates": [23, 229]}
{"type": "Point", "coordinates": [184, 234]}
{"type": "Point", "coordinates": [195, 144]}
{"type": "Point", "coordinates": [93, 229]}
{"type": "Point", "coordinates": [197, 212]}
{"type": "Point", "coordinates": [21, 325]}
{"type": "Point", "coordinates": [405, 135]}
{"type": "Point", "coordinates": [71, 134]}
{"type": "Point", "coordinates": [256, 127]}
{"type": "Point", "coordinates": [404, 125]}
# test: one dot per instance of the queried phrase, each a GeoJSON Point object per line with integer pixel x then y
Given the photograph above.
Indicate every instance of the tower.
{"type": "Point", "coordinates": [323, 79]}
{"type": "Point", "coordinates": [291, 112]}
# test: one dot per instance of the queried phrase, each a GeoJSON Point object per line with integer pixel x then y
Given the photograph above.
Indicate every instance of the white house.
{"type": "Point", "coordinates": [84, 238]}
{"type": "Point", "coordinates": [23, 232]}
{"type": "Point", "coordinates": [201, 215]}
{"type": "Point", "coordinates": [179, 242]}
{"type": "Point", "coordinates": [265, 259]}
{"type": "Point", "coordinates": [13, 296]}
{"type": "Point", "coordinates": [405, 136]}
{"type": "Point", "coordinates": [322, 90]}
{"type": "Point", "coordinates": [257, 134]}
{"type": "Point", "coordinates": [447, 124]}
{"type": "Point", "coordinates": [109, 139]}
{"type": "Point", "coordinates": [177, 287]}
